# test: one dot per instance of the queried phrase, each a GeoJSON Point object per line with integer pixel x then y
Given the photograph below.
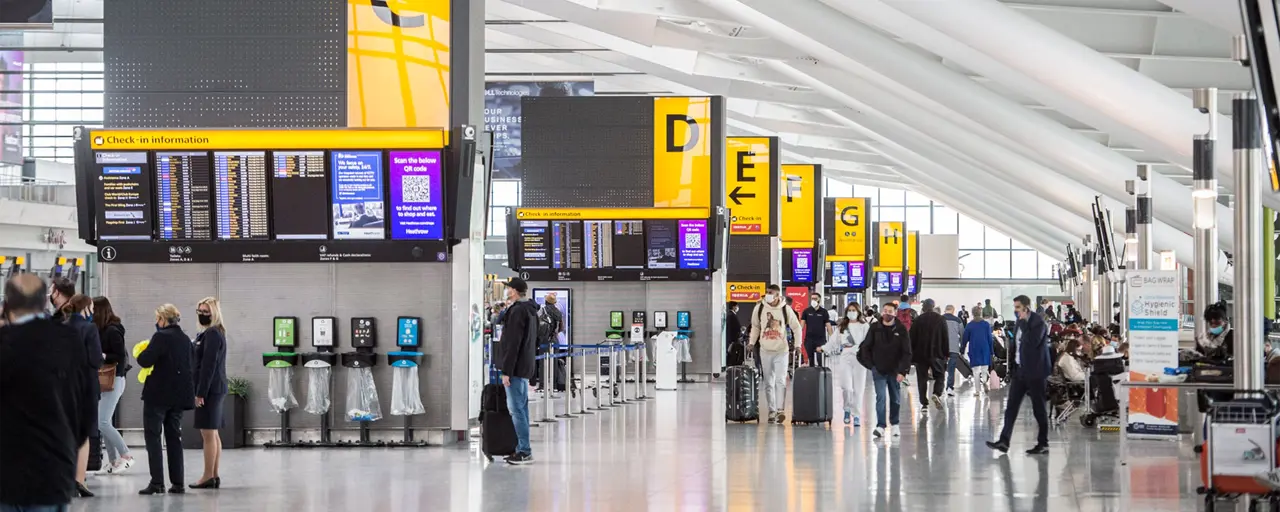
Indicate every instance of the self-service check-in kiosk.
{"type": "Point", "coordinates": [406, 399]}
{"type": "Point", "coordinates": [319, 365]}
{"type": "Point", "coordinates": [362, 393]}
{"type": "Point", "coordinates": [280, 365]}
{"type": "Point", "coordinates": [682, 343]}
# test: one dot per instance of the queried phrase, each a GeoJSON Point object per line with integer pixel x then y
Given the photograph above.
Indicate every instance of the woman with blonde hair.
{"type": "Point", "coordinates": [168, 391]}
{"type": "Point", "coordinates": [211, 387]}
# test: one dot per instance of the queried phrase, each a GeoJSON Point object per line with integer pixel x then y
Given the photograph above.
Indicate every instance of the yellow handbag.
{"type": "Point", "coordinates": [137, 349]}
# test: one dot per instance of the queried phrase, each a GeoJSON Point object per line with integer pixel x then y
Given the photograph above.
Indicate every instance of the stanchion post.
{"type": "Point", "coordinates": [622, 375]}
{"type": "Point", "coordinates": [568, 386]}
{"type": "Point", "coordinates": [613, 374]}
{"type": "Point", "coordinates": [599, 381]}
{"type": "Point", "coordinates": [643, 370]}
{"type": "Point", "coordinates": [547, 378]}
{"type": "Point", "coordinates": [582, 379]}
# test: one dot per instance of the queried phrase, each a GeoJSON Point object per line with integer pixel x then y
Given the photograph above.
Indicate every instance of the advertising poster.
{"type": "Point", "coordinates": [11, 107]}
{"type": "Point", "coordinates": [799, 297]}
{"type": "Point", "coordinates": [693, 244]}
{"type": "Point", "coordinates": [802, 265]}
{"type": "Point", "coordinates": [1154, 302]}
{"type": "Point", "coordinates": [895, 282]}
{"type": "Point", "coordinates": [882, 282]}
{"type": "Point", "coordinates": [502, 117]}
{"type": "Point", "coordinates": [417, 197]}
{"type": "Point", "coordinates": [357, 195]}
{"type": "Point", "coordinates": [839, 274]}
{"type": "Point", "coordinates": [857, 274]}
{"type": "Point", "coordinates": [563, 304]}
{"type": "Point", "coordinates": [662, 249]}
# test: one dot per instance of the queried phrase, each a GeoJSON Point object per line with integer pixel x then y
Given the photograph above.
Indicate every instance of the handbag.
{"type": "Point", "coordinates": [107, 377]}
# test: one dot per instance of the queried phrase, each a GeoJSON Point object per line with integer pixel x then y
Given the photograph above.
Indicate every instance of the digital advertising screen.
{"type": "Point", "coordinates": [357, 195]}
{"type": "Point", "coordinates": [693, 244]}
{"type": "Point", "coordinates": [882, 283]}
{"type": "Point", "coordinates": [535, 244]}
{"type": "Point", "coordinates": [299, 195]}
{"type": "Point", "coordinates": [857, 274]}
{"type": "Point", "coordinates": [182, 196]}
{"type": "Point", "coordinates": [895, 282]}
{"type": "Point", "coordinates": [662, 249]}
{"type": "Point", "coordinates": [802, 265]}
{"type": "Point", "coordinates": [597, 244]}
{"type": "Point", "coordinates": [563, 303]}
{"type": "Point", "coordinates": [629, 244]}
{"type": "Point", "coordinates": [123, 196]}
{"type": "Point", "coordinates": [417, 195]}
{"type": "Point", "coordinates": [241, 193]}
{"type": "Point", "coordinates": [839, 274]}
{"type": "Point", "coordinates": [911, 285]}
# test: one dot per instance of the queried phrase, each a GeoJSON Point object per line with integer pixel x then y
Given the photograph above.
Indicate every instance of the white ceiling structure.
{"type": "Point", "coordinates": [1015, 113]}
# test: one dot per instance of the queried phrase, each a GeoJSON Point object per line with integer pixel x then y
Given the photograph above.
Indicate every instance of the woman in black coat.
{"type": "Point", "coordinates": [111, 332]}
{"type": "Point", "coordinates": [211, 387]}
{"type": "Point", "coordinates": [169, 390]}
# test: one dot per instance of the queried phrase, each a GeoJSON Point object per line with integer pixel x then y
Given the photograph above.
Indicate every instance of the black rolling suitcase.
{"type": "Point", "coordinates": [962, 366]}
{"type": "Point", "coordinates": [742, 402]}
{"type": "Point", "coordinates": [811, 395]}
{"type": "Point", "coordinates": [737, 354]}
{"type": "Point", "coordinates": [497, 432]}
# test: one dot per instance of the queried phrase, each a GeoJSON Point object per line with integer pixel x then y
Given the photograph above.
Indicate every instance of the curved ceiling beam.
{"type": "Point", "coordinates": [1224, 15]}
{"type": "Point", "coordinates": [1075, 80]}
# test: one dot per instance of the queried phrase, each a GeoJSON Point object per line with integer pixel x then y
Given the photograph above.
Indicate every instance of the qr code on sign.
{"type": "Point", "coordinates": [416, 189]}
{"type": "Point", "coordinates": [693, 240]}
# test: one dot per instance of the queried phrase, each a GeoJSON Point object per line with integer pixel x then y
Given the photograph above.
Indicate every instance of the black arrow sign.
{"type": "Point", "coordinates": [738, 193]}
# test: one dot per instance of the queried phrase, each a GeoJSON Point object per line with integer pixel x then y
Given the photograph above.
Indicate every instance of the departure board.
{"type": "Point", "coordinates": [241, 193]}
{"type": "Point", "coordinates": [122, 196]}
{"type": "Point", "coordinates": [299, 195]}
{"type": "Point", "coordinates": [182, 196]}
{"type": "Point", "coordinates": [535, 244]}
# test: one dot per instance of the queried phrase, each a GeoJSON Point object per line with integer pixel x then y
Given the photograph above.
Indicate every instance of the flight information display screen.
{"type": "Point", "coordinates": [662, 249]}
{"type": "Point", "coordinates": [566, 244]}
{"type": "Point", "coordinates": [535, 244]}
{"type": "Point", "coordinates": [182, 196]}
{"type": "Point", "coordinates": [122, 195]}
{"type": "Point", "coordinates": [241, 192]}
{"type": "Point", "coordinates": [299, 195]}
{"type": "Point", "coordinates": [357, 195]}
{"type": "Point", "coordinates": [628, 244]}
{"type": "Point", "coordinates": [597, 244]}
{"type": "Point", "coordinates": [417, 195]}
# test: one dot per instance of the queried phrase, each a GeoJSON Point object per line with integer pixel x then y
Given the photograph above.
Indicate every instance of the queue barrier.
{"type": "Point", "coordinates": [617, 378]}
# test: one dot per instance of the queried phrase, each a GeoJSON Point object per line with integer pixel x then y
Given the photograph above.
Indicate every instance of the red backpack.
{"type": "Point", "coordinates": [906, 315]}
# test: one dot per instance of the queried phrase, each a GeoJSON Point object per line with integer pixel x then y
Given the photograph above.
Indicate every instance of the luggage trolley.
{"type": "Point", "coordinates": [1240, 445]}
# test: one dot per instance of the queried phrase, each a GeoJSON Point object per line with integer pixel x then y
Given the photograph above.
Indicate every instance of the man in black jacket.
{"type": "Point", "coordinates": [47, 398]}
{"type": "Point", "coordinates": [519, 346]}
{"type": "Point", "coordinates": [1031, 371]}
{"type": "Point", "coordinates": [929, 351]}
{"type": "Point", "coordinates": [887, 353]}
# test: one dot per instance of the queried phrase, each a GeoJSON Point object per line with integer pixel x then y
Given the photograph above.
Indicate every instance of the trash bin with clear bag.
{"type": "Point", "coordinates": [318, 378]}
{"type": "Point", "coordinates": [280, 388]}
{"type": "Point", "coordinates": [406, 400]}
{"type": "Point", "coordinates": [362, 396]}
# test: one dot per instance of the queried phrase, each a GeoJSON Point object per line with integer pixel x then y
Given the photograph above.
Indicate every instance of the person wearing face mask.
{"type": "Point", "coordinates": [518, 362]}
{"type": "Point", "coordinates": [168, 392]}
{"type": "Point", "coordinates": [979, 339]}
{"type": "Point", "coordinates": [818, 326]}
{"type": "Point", "coordinates": [769, 323]}
{"type": "Point", "coordinates": [1217, 344]}
{"type": "Point", "coordinates": [851, 376]}
{"type": "Point", "coordinates": [1031, 371]}
{"type": "Point", "coordinates": [887, 353]}
{"type": "Point", "coordinates": [211, 387]}
{"type": "Point", "coordinates": [76, 311]}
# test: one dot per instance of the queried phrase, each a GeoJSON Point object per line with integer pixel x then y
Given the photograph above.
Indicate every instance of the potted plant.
{"type": "Point", "coordinates": [233, 412]}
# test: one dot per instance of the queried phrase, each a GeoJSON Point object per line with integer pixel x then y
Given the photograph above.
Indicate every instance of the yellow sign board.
{"type": "Point", "coordinates": [397, 63]}
{"type": "Point", "coordinates": [851, 221]}
{"type": "Point", "coordinates": [798, 195]}
{"type": "Point", "coordinates": [682, 152]}
{"type": "Point", "coordinates": [891, 241]}
{"type": "Point", "coordinates": [611, 213]}
{"type": "Point", "coordinates": [745, 292]}
{"type": "Point", "coordinates": [748, 194]}
{"type": "Point", "coordinates": [109, 140]}
{"type": "Point", "coordinates": [913, 252]}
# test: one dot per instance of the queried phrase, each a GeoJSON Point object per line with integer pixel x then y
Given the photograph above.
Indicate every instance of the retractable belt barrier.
{"type": "Point", "coordinates": [616, 378]}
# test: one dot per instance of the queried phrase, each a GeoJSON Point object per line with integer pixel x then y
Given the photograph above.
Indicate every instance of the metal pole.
{"type": "Point", "coordinates": [1130, 234]}
{"type": "Point", "coordinates": [622, 380]}
{"type": "Point", "coordinates": [1247, 150]}
{"type": "Point", "coordinates": [599, 380]}
{"type": "Point", "coordinates": [1105, 289]}
{"type": "Point", "coordinates": [548, 384]}
{"type": "Point", "coordinates": [582, 382]}
{"type": "Point", "coordinates": [1143, 208]}
{"type": "Point", "coordinates": [1205, 205]}
{"type": "Point", "coordinates": [568, 386]}
{"type": "Point", "coordinates": [613, 374]}
{"type": "Point", "coordinates": [642, 386]}
{"type": "Point", "coordinates": [1087, 280]}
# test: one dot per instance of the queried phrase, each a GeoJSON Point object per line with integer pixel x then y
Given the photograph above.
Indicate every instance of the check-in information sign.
{"type": "Point", "coordinates": [749, 187]}
{"type": "Point", "coordinates": [851, 227]}
{"type": "Point", "coordinates": [891, 245]}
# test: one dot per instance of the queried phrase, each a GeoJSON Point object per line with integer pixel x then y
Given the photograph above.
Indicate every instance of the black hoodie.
{"type": "Point", "coordinates": [887, 349]}
{"type": "Point", "coordinates": [929, 338]}
{"type": "Point", "coordinates": [113, 346]}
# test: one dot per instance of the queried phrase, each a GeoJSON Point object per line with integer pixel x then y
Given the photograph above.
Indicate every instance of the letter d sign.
{"type": "Point", "coordinates": [672, 119]}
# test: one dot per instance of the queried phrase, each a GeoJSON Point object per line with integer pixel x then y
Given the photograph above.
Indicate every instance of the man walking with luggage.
{"type": "Point", "coordinates": [1031, 371]}
{"type": "Point", "coordinates": [929, 351]}
{"type": "Point", "coordinates": [817, 327]}
{"type": "Point", "coordinates": [769, 323]}
{"type": "Point", "coordinates": [519, 346]}
{"type": "Point", "coordinates": [955, 328]}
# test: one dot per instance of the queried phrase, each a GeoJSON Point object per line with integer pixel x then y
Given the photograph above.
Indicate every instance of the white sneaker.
{"type": "Point", "coordinates": [937, 401]}
{"type": "Point", "coordinates": [119, 466]}
{"type": "Point", "coordinates": [895, 431]}
{"type": "Point", "coordinates": [878, 432]}
{"type": "Point", "coordinates": [951, 393]}
{"type": "Point", "coordinates": [1271, 479]}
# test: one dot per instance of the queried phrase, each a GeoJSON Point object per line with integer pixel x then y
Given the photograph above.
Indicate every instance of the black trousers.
{"type": "Point", "coordinates": [811, 351]}
{"type": "Point", "coordinates": [169, 419]}
{"type": "Point", "coordinates": [1022, 387]}
{"type": "Point", "coordinates": [934, 371]}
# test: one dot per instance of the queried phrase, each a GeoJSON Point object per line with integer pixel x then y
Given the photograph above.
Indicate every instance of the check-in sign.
{"type": "Point", "coordinates": [891, 245]}
{"type": "Point", "coordinates": [801, 206]}
{"type": "Point", "coordinates": [749, 191]}
{"type": "Point", "coordinates": [851, 226]}
{"type": "Point", "coordinates": [745, 292]}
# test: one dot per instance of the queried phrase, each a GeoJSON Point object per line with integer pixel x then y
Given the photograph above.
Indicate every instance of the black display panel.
{"type": "Point", "coordinates": [273, 251]}
{"type": "Point", "coordinates": [122, 196]}
{"type": "Point", "coordinates": [566, 244]}
{"type": "Point", "coordinates": [535, 244]}
{"type": "Point", "coordinates": [629, 244]}
{"type": "Point", "coordinates": [597, 244]}
{"type": "Point", "coordinates": [240, 190]}
{"type": "Point", "coordinates": [299, 195]}
{"type": "Point", "coordinates": [662, 249]}
{"type": "Point", "coordinates": [182, 196]}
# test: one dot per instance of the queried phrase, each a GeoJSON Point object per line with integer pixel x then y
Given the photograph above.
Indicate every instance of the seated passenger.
{"type": "Point", "coordinates": [1069, 364]}
{"type": "Point", "coordinates": [1216, 342]}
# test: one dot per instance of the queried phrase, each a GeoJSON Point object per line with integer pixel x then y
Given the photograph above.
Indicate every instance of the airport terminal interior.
{"type": "Point", "coordinates": [891, 255]}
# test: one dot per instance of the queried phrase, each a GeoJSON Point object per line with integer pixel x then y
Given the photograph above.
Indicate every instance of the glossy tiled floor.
{"type": "Point", "coordinates": [675, 452]}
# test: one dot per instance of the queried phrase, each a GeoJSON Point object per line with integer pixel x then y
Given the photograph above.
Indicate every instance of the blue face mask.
{"type": "Point", "coordinates": [1217, 330]}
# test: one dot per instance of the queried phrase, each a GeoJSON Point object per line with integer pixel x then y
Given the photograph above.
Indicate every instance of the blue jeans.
{"type": "Point", "coordinates": [34, 508]}
{"type": "Point", "coordinates": [886, 384]}
{"type": "Point", "coordinates": [951, 370]}
{"type": "Point", "coordinates": [518, 404]}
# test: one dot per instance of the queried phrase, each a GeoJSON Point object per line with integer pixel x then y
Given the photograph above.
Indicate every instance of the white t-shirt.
{"type": "Point", "coordinates": [1017, 353]}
